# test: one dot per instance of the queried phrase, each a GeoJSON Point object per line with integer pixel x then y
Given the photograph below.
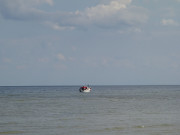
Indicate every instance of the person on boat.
{"type": "Point", "coordinates": [84, 87]}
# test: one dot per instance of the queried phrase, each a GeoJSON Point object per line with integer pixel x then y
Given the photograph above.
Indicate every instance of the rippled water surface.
{"type": "Point", "coordinates": [115, 110]}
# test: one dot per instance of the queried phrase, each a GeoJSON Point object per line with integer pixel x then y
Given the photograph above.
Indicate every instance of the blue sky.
{"type": "Point", "coordinates": [98, 42]}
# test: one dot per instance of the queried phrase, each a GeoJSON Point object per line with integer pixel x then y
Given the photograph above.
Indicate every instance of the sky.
{"type": "Point", "coordinates": [96, 42]}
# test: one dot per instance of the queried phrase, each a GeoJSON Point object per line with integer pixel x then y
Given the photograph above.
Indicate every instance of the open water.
{"type": "Point", "coordinates": [107, 110]}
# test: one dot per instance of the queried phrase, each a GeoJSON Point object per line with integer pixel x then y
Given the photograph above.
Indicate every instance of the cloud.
{"type": "Point", "coordinates": [115, 13]}
{"type": "Point", "coordinates": [102, 11]}
{"type": "Point", "coordinates": [60, 56]}
{"type": "Point", "coordinates": [56, 26]}
{"type": "Point", "coordinates": [112, 14]}
{"type": "Point", "coordinates": [20, 9]}
{"type": "Point", "coordinates": [169, 22]}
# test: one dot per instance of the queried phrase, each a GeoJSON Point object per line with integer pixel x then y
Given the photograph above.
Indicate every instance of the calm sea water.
{"type": "Point", "coordinates": [107, 110]}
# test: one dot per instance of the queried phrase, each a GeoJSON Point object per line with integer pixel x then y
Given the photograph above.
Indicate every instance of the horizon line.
{"type": "Point", "coordinates": [90, 85]}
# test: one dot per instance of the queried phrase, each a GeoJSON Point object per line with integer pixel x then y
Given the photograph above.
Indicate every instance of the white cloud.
{"type": "Point", "coordinates": [116, 12]}
{"type": "Point", "coordinates": [113, 14]}
{"type": "Point", "coordinates": [169, 22]}
{"type": "Point", "coordinates": [103, 11]}
{"type": "Point", "coordinates": [56, 26]}
{"type": "Point", "coordinates": [60, 56]}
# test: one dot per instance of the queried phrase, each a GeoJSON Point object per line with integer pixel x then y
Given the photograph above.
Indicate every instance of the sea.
{"type": "Point", "coordinates": [106, 110]}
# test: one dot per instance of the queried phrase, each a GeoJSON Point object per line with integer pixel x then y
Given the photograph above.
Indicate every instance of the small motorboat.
{"type": "Point", "coordinates": [84, 89]}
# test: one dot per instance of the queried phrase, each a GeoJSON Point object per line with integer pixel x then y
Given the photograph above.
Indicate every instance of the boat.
{"type": "Point", "coordinates": [84, 89]}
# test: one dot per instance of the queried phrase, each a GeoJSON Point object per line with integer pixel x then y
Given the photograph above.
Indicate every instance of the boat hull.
{"type": "Point", "coordinates": [85, 91]}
